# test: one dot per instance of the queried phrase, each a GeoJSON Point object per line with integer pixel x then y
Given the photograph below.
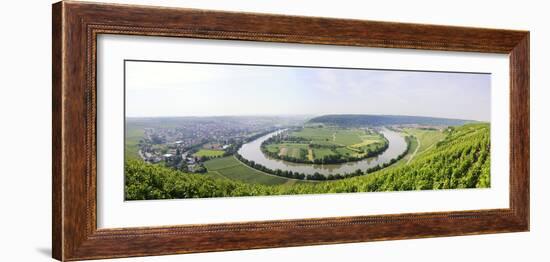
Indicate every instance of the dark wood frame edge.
{"type": "Point", "coordinates": [75, 27]}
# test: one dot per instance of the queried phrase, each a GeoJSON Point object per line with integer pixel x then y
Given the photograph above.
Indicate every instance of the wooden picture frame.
{"type": "Point", "coordinates": [76, 26]}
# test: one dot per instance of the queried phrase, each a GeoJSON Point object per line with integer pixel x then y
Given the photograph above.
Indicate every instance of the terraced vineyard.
{"type": "Point", "coordinates": [460, 160]}
{"type": "Point", "coordinates": [231, 168]}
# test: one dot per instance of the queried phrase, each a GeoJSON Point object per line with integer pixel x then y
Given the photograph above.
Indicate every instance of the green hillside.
{"type": "Point", "coordinates": [385, 120]}
{"type": "Point", "coordinates": [460, 160]}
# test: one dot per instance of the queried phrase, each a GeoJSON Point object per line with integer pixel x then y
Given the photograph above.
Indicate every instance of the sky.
{"type": "Point", "coordinates": [189, 89]}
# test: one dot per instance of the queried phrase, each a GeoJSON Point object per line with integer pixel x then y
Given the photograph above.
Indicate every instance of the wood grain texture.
{"type": "Point", "coordinates": [57, 195]}
{"type": "Point", "coordinates": [76, 26]}
{"type": "Point", "coordinates": [519, 129]}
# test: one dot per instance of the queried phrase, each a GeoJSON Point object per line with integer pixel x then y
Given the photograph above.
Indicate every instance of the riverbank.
{"type": "Point", "coordinates": [252, 153]}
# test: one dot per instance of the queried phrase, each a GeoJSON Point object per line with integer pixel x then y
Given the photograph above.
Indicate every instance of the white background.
{"type": "Point", "coordinates": [25, 151]}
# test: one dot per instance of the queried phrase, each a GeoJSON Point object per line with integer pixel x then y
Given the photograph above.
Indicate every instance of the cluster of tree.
{"type": "Point", "coordinates": [462, 160]}
{"type": "Point", "coordinates": [200, 168]}
{"type": "Point", "coordinates": [176, 162]}
{"type": "Point", "coordinates": [157, 139]}
{"type": "Point", "coordinates": [232, 149]}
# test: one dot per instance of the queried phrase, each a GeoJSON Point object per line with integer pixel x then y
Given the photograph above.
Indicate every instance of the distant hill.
{"type": "Point", "coordinates": [381, 120]}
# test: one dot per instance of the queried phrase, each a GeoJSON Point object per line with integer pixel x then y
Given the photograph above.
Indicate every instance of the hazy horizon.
{"type": "Point", "coordinates": [156, 89]}
{"type": "Point", "coordinates": [288, 115]}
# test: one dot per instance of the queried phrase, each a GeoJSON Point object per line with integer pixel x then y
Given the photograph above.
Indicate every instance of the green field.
{"type": "Point", "coordinates": [131, 142]}
{"type": "Point", "coordinates": [232, 169]}
{"type": "Point", "coordinates": [337, 136]}
{"type": "Point", "coordinates": [209, 153]}
{"type": "Point", "coordinates": [273, 148]}
{"type": "Point", "coordinates": [319, 153]}
{"type": "Point", "coordinates": [346, 151]}
{"type": "Point", "coordinates": [320, 144]}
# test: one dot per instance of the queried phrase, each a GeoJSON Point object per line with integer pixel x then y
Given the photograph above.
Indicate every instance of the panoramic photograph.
{"type": "Point", "coordinates": [204, 130]}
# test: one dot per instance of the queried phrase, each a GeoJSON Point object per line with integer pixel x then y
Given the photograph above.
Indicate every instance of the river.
{"type": "Point", "coordinates": [253, 152]}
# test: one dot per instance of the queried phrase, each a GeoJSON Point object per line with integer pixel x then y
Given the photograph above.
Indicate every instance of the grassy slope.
{"type": "Point", "coordinates": [133, 135]}
{"type": "Point", "coordinates": [410, 152]}
{"type": "Point", "coordinates": [462, 160]}
{"type": "Point", "coordinates": [427, 137]}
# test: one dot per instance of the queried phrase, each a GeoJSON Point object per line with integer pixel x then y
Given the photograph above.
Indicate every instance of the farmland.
{"type": "Point", "coordinates": [319, 144]}
{"type": "Point", "coordinates": [211, 153]}
{"type": "Point", "coordinates": [460, 160]}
